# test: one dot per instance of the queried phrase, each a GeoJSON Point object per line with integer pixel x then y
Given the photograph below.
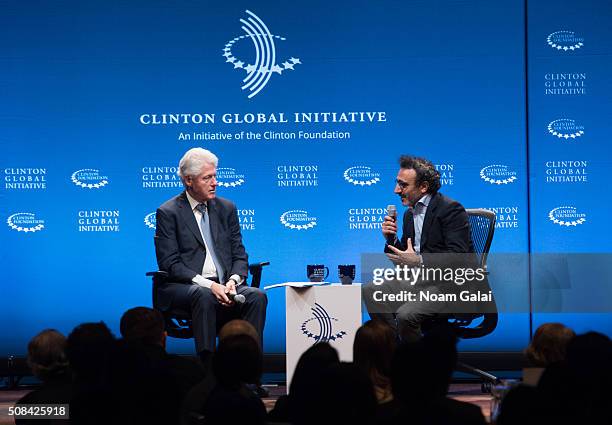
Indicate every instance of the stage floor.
{"type": "Point", "coordinates": [464, 392]}
{"type": "Point", "coordinates": [470, 393]}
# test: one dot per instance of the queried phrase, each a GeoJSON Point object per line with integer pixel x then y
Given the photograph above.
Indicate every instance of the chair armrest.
{"type": "Point", "coordinates": [158, 273]}
{"type": "Point", "coordinates": [255, 269]}
{"type": "Point", "coordinates": [159, 277]}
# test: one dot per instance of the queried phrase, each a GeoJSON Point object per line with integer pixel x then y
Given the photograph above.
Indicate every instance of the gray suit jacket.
{"type": "Point", "coordinates": [179, 245]}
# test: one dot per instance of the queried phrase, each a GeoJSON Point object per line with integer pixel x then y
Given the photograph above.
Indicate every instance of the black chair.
{"type": "Point", "coordinates": [178, 321]}
{"type": "Point", "coordinates": [482, 228]}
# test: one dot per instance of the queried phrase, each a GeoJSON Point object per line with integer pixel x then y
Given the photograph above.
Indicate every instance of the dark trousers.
{"type": "Point", "coordinates": [404, 317]}
{"type": "Point", "coordinates": [208, 316]}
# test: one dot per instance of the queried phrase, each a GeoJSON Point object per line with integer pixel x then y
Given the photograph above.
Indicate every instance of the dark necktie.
{"type": "Point", "coordinates": [209, 241]}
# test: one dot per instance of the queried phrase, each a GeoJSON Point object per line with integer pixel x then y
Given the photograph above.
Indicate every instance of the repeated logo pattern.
{"type": "Point", "coordinates": [298, 220]}
{"type": "Point", "coordinates": [566, 216]}
{"type": "Point", "coordinates": [25, 222]}
{"type": "Point", "coordinates": [498, 174]}
{"type": "Point", "coordinates": [564, 40]}
{"type": "Point", "coordinates": [89, 178]}
{"type": "Point", "coordinates": [150, 221]}
{"type": "Point", "coordinates": [361, 176]}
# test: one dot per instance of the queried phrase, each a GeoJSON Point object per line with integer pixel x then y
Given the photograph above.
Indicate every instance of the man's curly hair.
{"type": "Point", "coordinates": [425, 171]}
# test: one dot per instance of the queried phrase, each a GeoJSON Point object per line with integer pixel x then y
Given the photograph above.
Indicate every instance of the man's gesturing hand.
{"type": "Point", "coordinates": [408, 257]}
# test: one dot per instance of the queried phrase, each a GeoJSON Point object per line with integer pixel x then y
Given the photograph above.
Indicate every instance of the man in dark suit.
{"type": "Point", "coordinates": [434, 230]}
{"type": "Point", "coordinates": [198, 243]}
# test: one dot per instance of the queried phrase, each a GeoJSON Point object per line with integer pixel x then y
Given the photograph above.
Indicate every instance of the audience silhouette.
{"type": "Point", "coordinates": [135, 381]}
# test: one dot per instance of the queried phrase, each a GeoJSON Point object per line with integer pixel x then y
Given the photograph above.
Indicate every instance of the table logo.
{"type": "Point", "coordinates": [320, 326]}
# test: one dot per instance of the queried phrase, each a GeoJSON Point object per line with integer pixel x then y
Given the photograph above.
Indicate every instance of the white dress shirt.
{"type": "Point", "coordinates": [208, 270]}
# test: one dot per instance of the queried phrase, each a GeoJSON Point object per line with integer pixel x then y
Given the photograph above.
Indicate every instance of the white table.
{"type": "Point", "coordinates": [330, 313]}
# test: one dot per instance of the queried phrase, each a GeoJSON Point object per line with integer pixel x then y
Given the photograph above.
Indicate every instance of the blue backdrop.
{"type": "Point", "coordinates": [100, 101]}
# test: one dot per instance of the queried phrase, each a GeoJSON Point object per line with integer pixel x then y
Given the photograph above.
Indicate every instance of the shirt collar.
{"type": "Point", "coordinates": [192, 202]}
{"type": "Point", "coordinates": [424, 202]}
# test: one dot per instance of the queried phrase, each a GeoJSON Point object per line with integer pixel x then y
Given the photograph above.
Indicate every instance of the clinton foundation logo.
{"type": "Point", "coordinates": [566, 216]}
{"type": "Point", "coordinates": [565, 128]}
{"type": "Point", "coordinates": [298, 220]}
{"type": "Point", "coordinates": [160, 178]}
{"type": "Point", "coordinates": [228, 177]}
{"type": "Point", "coordinates": [498, 174]}
{"type": "Point", "coordinates": [150, 220]}
{"type": "Point", "coordinates": [25, 222]}
{"type": "Point", "coordinates": [320, 326]}
{"type": "Point", "coordinates": [366, 218]}
{"type": "Point", "coordinates": [89, 178]}
{"type": "Point", "coordinates": [98, 221]}
{"type": "Point", "coordinates": [246, 218]}
{"type": "Point", "coordinates": [361, 175]}
{"type": "Point", "coordinates": [564, 41]}
{"type": "Point", "coordinates": [25, 178]}
{"type": "Point", "coordinates": [263, 61]}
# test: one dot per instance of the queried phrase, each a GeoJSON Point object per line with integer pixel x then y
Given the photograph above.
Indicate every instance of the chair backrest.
{"type": "Point", "coordinates": [482, 228]}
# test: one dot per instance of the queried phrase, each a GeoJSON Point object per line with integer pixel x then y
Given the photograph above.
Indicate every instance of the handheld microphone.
{"type": "Point", "coordinates": [237, 298]}
{"type": "Point", "coordinates": [392, 212]}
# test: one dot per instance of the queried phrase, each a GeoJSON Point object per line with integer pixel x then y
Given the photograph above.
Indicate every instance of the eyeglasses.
{"type": "Point", "coordinates": [402, 185]}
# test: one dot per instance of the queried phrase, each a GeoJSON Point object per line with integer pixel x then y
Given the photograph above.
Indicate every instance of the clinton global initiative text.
{"type": "Point", "coordinates": [263, 118]}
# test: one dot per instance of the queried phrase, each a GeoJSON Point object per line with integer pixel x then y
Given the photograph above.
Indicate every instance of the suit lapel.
{"type": "Point", "coordinates": [410, 228]}
{"type": "Point", "coordinates": [429, 215]}
{"type": "Point", "coordinates": [189, 218]}
{"type": "Point", "coordinates": [215, 229]}
{"type": "Point", "coordinates": [213, 217]}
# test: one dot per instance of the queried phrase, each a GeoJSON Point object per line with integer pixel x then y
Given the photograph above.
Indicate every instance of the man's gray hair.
{"type": "Point", "coordinates": [194, 159]}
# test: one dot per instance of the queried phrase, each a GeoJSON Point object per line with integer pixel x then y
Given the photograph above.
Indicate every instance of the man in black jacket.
{"type": "Point", "coordinates": [435, 234]}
